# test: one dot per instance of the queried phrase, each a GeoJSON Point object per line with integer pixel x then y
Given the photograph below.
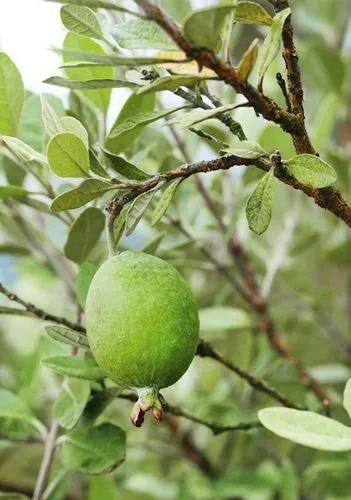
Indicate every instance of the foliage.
{"type": "Point", "coordinates": [216, 164]}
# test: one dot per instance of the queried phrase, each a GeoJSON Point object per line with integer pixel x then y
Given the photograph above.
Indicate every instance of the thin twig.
{"type": "Point", "coordinates": [38, 312]}
{"type": "Point", "coordinates": [206, 350]}
{"type": "Point", "coordinates": [51, 441]}
{"type": "Point", "coordinates": [210, 352]}
{"type": "Point", "coordinates": [292, 123]}
{"type": "Point", "coordinates": [47, 460]}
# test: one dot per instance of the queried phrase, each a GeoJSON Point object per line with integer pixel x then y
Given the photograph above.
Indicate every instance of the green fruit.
{"type": "Point", "coordinates": [142, 326]}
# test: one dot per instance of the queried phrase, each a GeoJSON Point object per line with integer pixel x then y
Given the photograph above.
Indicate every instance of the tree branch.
{"type": "Point", "coordinates": [294, 124]}
{"type": "Point", "coordinates": [205, 350]}
{"type": "Point", "coordinates": [37, 312]}
{"type": "Point", "coordinates": [227, 73]}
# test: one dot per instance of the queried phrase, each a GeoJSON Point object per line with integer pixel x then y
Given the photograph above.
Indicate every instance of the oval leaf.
{"type": "Point", "coordinates": [312, 171]}
{"type": "Point", "coordinates": [133, 105]}
{"type": "Point", "coordinates": [84, 234]}
{"type": "Point", "coordinates": [67, 336]}
{"type": "Point", "coordinates": [22, 150]}
{"type": "Point", "coordinates": [93, 450]}
{"type": "Point", "coordinates": [74, 366]}
{"type": "Point", "coordinates": [13, 408]}
{"type": "Point", "coordinates": [13, 192]}
{"type": "Point", "coordinates": [347, 397]}
{"type": "Point", "coordinates": [102, 83]}
{"type": "Point", "coordinates": [125, 168]}
{"type": "Point", "coordinates": [11, 95]}
{"type": "Point", "coordinates": [82, 283]}
{"type": "Point", "coordinates": [251, 13]}
{"type": "Point", "coordinates": [307, 428]}
{"type": "Point", "coordinates": [51, 120]}
{"type": "Point", "coordinates": [139, 120]}
{"type": "Point", "coordinates": [81, 20]}
{"type": "Point", "coordinates": [142, 34]}
{"type": "Point", "coordinates": [271, 44]}
{"type": "Point", "coordinates": [259, 205]}
{"type": "Point", "coordinates": [73, 42]}
{"type": "Point", "coordinates": [247, 61]}
{"type": "Point", "coordinates": [221, 318]}
{"type": "Point", "coordinates": [137, 209]}
{"type": "Point", "coordinates": [71, 401]}
{"type": "Point", "coordinates": [172, 83]}
{"type": "Point", "coordinates": [203, 27]}
{"type": "Point", "coordinates": [164, 202]}
{"type": "Point", "coordinates": [79, 196]}
{"type": "Point", "coordinates": [246, 149]}
{"type": "Point", "coordinates": [68, 156]}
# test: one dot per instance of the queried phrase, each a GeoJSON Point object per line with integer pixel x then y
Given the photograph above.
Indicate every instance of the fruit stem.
{"type": "Point", "coordinates": [148, 400]}
{"type": "Point", "coordinates": [110, 237]}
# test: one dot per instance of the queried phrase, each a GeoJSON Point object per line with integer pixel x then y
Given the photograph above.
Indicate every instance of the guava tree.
{"type": "Point", "coordinates": [228, 158]}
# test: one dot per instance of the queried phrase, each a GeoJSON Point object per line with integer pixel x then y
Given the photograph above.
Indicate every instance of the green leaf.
{"type": "Point", "coordinates": [94, 450]}
{"type": "Point", "coordinates": [67, 336]}
{"type": "Point", "coordinates": [96, 166]}
{"type": "Point", "coordinates": [164, 202]}
{"type": "Point", "coordinates": [88, 114]}
{"type": "Point", "coordinates": [139, 120]}
{"type": "Point", "coordinates": [79, 196]}
{"type": "Point", "coordinates": [203, 27]}
{"type": "Point", "coordinates": [251, 13]}
{"type": "Point", "coordinates": [71, 124]}
{"type": "Point", "coordinates": [171, 83]}
{"type": "Point", "coordinates": [324, 119]}
{"type": "Point", "coordinates": [307, 428]}
{"type": "Point", "coordinates": [125, 168]}
{"type": "Point", "coordinates": [108, 83]}
{"type": "Point", "coordinates": [84, 277]}
{"type": "Point", "coordinates": [102, 487]}
{"type": "Point", "coordinates": [259, 204]}
{"type": "Point", "coordinates": [99, 97]}
{"type": "Point", "coordinates": [222, 318]}
{"type": "Point", "coordinates": [247, 61]}
{"type": "Point", "coordinates": [13, 496]}
{"type": "Point", "coordinates": [152, 246]}
{"type": "Point", "coordinates": [81, 20]}
{"type": "Point", "coordinates": [13, 408]}
{"type": "Point", "coordinates": [312, 171]}
{"type": "Point", "coordinates": [11, 95]}
{"type": "Point", "coordinates": [119, 224]}
{"type": "Point", "coordinates": [246, 149]}
{"type": "Point", "coordinates": [30, 129]}
{"type": "Point", "coordinates": [347, 397]}
{"type": "Point", "coordinates": [133, 105]}
{"type": "Point", "coordinates": [84, 234]}
{"type": "Point", "coordinates": [13, 249]}
{"type": "Point", "coordinates": [137, 210]}
{"type": "Point", "coordinates": [51, 120]}
{"type": "Point", "coordinates": [200, 115]}
{"type": "Point", "coordinates": [22, 151]}
{"type": "Point", "coordinates": [88, 60]}
{"type": "Point", "coordinates": [178, 10]}
{"type": "Point", "coordinates": [71, 401]}
{"type": "Point", "coordinates": [142, 34]}
{"type": "Point", "coordinates": [271, 44]}
{"type": "Point", "coordinates": [74, 366]}
{"type": "Point", "coordinates": [68, 156]}
{"type": "Point", "coordinates": [13, 192]}
{"type": "Point", "coordinates": [98, 4]}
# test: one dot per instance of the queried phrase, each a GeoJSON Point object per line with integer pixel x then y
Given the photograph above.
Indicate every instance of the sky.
{"type": "Point", "coordinates": [27, 30]}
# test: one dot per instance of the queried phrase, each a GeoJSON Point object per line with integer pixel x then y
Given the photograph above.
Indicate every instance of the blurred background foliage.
{"type": "Point", "coordinates": [306, 250]}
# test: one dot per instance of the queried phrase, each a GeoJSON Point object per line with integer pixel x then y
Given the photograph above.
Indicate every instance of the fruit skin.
{"type": "Point", "coordinates": [142, 322]}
